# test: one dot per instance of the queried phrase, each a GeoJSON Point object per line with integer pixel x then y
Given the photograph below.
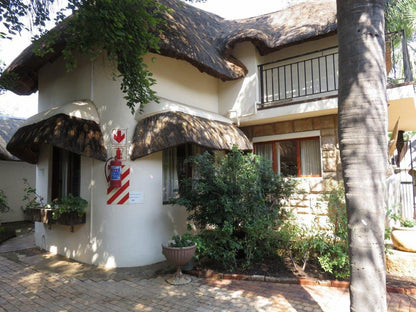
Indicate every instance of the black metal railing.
{"type": "Point", "coordinates": [304, 75]}
{"type": "Point", "coordinates": [315, 74]}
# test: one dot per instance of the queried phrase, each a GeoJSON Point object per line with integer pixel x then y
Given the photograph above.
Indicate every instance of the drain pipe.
{"type": "Point", "coordinates": [91, 199]}
{"type": "Point", "coordinates": [92, 160]}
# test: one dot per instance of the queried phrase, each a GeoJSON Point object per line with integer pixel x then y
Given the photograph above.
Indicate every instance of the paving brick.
{"type": "Point", "coordinates": [27, 289]}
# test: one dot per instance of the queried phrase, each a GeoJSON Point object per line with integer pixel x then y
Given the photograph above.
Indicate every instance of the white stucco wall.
{"type": "Point", "coordinates": [118, 235]}
{"type": "Point", "coordinates": [13, 173]}
{"type": "Point", "coordinates": [237, 99]}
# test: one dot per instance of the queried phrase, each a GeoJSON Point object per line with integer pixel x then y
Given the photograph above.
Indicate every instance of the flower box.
{"type": "Point", "coordinates": [39, 215]}
{"type": "Point", "coordinates": [45, 215]}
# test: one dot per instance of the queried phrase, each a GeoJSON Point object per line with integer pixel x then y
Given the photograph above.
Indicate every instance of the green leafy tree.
{"type": "Point", "coordinates": [124, 30]}
{"type": "Point", "coordinates": [401, 15]}
{"type": "Point", "coordinates": [18, 15]}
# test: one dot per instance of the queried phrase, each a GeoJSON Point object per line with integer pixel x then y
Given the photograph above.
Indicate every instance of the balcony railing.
{"type": "Point", "coordinates": [315, 74]}
{"type": "Point", "coordinates": [306, 75]}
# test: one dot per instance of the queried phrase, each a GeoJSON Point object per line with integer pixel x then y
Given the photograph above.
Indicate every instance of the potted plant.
{"type": "Point", "coordinates": [179, 251]}
{"type": "Point", "coordinates": [403, 236]}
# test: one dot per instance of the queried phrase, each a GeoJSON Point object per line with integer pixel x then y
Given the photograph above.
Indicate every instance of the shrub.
{"type": "Point", "coordinates": [236, 203]}
{"type": "Point", "coordinates": [329, 248]}
{"type": "Point", "coordinates": [333, 254]}
{"type": "Point", "coordinates": [4, 206]}
{"type": "Point", "coordinates": [31, 199]}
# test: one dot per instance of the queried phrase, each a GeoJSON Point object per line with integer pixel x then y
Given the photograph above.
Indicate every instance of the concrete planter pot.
{"type": "Point", "coordinates": [178, 256]}
{"type": "Point", "coordinates": [404, 238]}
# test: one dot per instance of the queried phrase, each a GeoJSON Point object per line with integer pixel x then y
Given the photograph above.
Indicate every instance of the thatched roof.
{"type": "Point", "coordinates": [206, 40]}
{"type": "Point", "coordinates": [72, 127]}
{"type": "Point", "coordinates": [170, 129]}
{"type": "Point", "coordinates": [8, 126]}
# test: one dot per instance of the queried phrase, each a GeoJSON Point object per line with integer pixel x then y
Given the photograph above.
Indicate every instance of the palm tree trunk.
{"type": "Point", "coordinates": [363, 143]}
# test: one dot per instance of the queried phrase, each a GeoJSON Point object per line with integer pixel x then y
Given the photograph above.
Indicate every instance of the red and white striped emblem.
{"type": "Point", "coordinates": [120, 195]}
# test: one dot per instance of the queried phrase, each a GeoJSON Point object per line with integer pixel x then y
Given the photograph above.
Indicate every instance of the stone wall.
{"type": "Point", "coordinates": [306, 203]}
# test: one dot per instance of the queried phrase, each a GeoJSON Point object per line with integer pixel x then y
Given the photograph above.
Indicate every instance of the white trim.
{"type": "Point", "coordinates": [288, 136]}
{"type": "Point", "coordinates": [84, 109]}
{"type": "Point", "coordinates": [166, 105]}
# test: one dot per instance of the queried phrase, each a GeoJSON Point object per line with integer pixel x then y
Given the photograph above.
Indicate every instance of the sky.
{"type": "Point", "coordinates": [26, 106]}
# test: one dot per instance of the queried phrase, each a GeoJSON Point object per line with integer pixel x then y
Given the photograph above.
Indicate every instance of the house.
{"type": "Point", "coordinates": [13, 171]}
{"type": "Point", "coordinates": [268, 82]}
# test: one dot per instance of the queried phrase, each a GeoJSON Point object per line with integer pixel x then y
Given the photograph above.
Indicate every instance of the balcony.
{"type": "Point", "coordinates": [314, 75]}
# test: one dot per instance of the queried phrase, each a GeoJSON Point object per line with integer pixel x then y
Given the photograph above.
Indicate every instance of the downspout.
{"type": "Point", "coordinates": [92, 159]}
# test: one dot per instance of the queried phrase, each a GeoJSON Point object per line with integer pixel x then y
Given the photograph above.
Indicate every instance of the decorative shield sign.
{"type": "Point", "coordinates": [119, 137]}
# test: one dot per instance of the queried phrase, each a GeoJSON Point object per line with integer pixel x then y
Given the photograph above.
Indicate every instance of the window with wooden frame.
{"type": "Point", "coordinates": [176, 169]}
{"type": "Point", "coordinates": [66, 173]}
{"type": "Point", "coordinates": [295, 157]}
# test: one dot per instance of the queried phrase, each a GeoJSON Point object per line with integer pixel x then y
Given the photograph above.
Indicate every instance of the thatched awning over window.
{"type": "Point", "coordinates": [170, 129]}
{"type": "Point", "coordinates": [73, 127]}
{"type": "Point", "coordinates": [8, 126]}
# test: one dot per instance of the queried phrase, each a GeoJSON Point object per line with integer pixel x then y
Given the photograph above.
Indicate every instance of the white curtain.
{"type": "Point", "coordinates": [170, 174]}
{"type": "Point", "coordinates": [265, 151]}
{"type": "Point", "coordinates": [310, 157]}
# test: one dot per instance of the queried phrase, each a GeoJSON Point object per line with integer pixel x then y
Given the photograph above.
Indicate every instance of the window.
{"type": "Point", "coordinates": [176, 169]}
{"type": "Point", "coordinates": [66, 173]}
{"type": "Point", "coordinates": [296, 157]}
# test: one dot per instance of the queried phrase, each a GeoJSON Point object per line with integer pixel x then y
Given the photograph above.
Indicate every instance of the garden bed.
{"type": "Point", "coordinates": [281, 269]}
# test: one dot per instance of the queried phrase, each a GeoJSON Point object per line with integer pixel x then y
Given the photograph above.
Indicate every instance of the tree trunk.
{"type": "Point", "coordinates": [362, 107]}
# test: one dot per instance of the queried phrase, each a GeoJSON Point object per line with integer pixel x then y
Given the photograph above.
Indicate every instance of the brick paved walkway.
{"type": "Point", "coordinates": [24, 288]}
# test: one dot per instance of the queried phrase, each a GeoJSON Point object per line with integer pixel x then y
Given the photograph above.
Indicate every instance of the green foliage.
{"type": "Point", "coordinates": [296, 241]}
{"type": "Point", "coordinates": [124, 30]}
{"type": "Point", "coordinates": [13, 13]}
{"type": "Point", "coordinates": [68, 204]}
{"type": "Point", "coordinates": [334, 196]}
{"type": "Point", "coordinates": [236, 202]}
{"type": "Point", "coordinates": [4, 207]}
{"type": "Point", "coordinates": [31, 198]}
{"type": "Point", "coordinates": [398, 218]}
{"type": "Point", "coordinates": [310, 243]}
{"type": "Point", "coordinates": [401, 14]}
{"type": "Point", "coordinates": [333, 252]}
{"type": "Point", "coordinates": [186, 240]}
{"type": "Point", "coordinates": [59, 206]}
{"type": "Point", "coordinates": [334, 259]}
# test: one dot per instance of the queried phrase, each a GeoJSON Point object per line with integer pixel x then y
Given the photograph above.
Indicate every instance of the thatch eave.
{"type": "Point", "coordinates": [170, 129]}
{"type": "Point", "coordinates": [206, 40]}
{"type": "Point", "coordinates": [73, 126]}
{"type": "Point", "coordinates": [74, 134]}
{"type": "Point", "coordinates": [8, 126]}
